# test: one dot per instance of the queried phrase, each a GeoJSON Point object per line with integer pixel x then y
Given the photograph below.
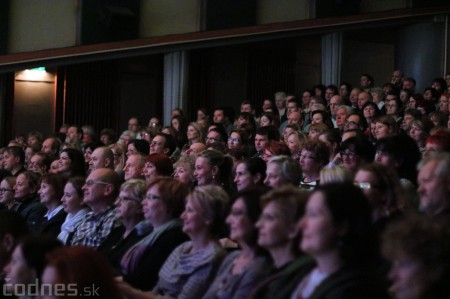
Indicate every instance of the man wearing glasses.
{"type": "Point", "coordinates": [100, 191]}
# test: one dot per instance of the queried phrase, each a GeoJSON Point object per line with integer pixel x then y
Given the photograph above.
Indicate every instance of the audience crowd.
{"type": "Point", "coordinates": [339, 192]}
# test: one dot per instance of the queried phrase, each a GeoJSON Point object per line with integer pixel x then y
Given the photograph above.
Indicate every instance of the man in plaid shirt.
{"type": "Point", "coordinates": [100, 191]}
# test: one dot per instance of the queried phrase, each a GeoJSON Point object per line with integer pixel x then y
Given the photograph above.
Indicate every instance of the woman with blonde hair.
{"type": "Point", "coordinates": [119, 157]}
{"type": "Point", "coordinates": [193, 264]}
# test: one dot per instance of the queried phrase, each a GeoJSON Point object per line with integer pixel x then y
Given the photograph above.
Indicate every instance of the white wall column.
{"type": "Point", "coordinates": [331, 58]}
{"type": "Point", "coordinates": [176, 67]}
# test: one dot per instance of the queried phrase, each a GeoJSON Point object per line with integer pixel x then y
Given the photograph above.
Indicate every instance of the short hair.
{"type": "Point", "coordinates": [442, 169]}
{"type": "Point", "coordinates": [173, 193]}
{"type": "Point", "coordinates": [278, 148]}
{"type": "Point", "coordinates": [320, 149]}
{"type": "Point", "coordinates": [370, 78]}
{"type": "Point", "coordinates": [389, 121]}
{"type": "Point", "coordinates": [111, 177]}
{"type": "Point", "coordinates": [222, 133]}
{"type": "Point", "coordinates": [291, 203]}
{"type": "Point", "coordinates": [361, 146]}
{"type": "Point", "coordinates": [319, 127]}
{"type": "Point", "coordinates": [347, 108]}
{"type": "Point", "coordinates": [374, 105]}
{"type": "Point", "coordinates": [137, 187]}
{"type": "Point", "coordinates": [169, 143]}
{"type": "Point", "coordinates": [271, 132]}
{"type": "Point", "coordinates": [441, 138]}
{"type": "Point", "coordinates": [112, 135]}
{"type": "Point", "coordinates": [290, 171]}
{"type": "Point", "coordinates": [57, 182]}
{"type": "Point", "coordinates": [89, 130]}
{"type": "Point", "coordinates": [162, 163]}
{"type": "Point", "coordinates": [33, 179]}
{"type": "Point", "coordinates": [141, 146]}
{"type": "Point", "coordinates": [16, 151]}
{"type": "Point", "coordinates": [213, 203]}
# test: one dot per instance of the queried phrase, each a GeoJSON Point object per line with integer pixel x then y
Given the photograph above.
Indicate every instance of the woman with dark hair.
{"type": "Point", "coordinates": [157, 165]}
{"type": "Point", "coordinates": [71, 163]}
{"type": "Point", "coordinates": [180, 124]}
{"type": "Point", "coordinates": [193, 264]}
{"type": "Point", "coordinates": [430, 95]}
{"type": "Point", "coordinates": [355, 152]}
{"type": "Point", "coordinates": [162, 207]}
{"type": "Point", "coordinates": [382, 189]}
{"type": "Point", "coordinates": [415, 101]}
{"type": "Point", "coordinates": [332, 138]}
{"type": "Point", "coordinates": [401, 154]}
{"type": "Point", "coordinates": [267, 119]}
{"type": "Point", "coordinates": [370, 111]}
{"type": "Point", "coordinates": [385, 126]}
{"type": "Point", "coordinates": [7, 192]}
{"type": "Point", "coordinates": [73, 205]}
{"type": "Point", "coordinates": [246, 121]}
{"type": "Point", "coordinates": [79, 268]}
{"type": "Point", "coordinates": [25, 196]}
{"type": "Point", "coordinates": [242, 269]}
{"type": "Point", "coordinates": [337, 234]}
{"type": "Point", "coordinates": [24, 271]}
{"type": "Point", "coordinates": [88, 150]}
{"type": "Point", "coordinates": [440, 85]}
{"type": "Point", "coordinates": [418, 248]}
{"type": "Point", "coordinates": [50, 193]}
{"type": "Point", "coordinates": [214, 168]}
{"type": "Point", "coordinates": [250, 172]}
{"type": "Point", "coordinates": [313, 158]}
{"type": "Point", "coordinates": [320, 116]}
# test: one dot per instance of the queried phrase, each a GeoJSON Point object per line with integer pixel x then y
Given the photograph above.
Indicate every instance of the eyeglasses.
{"type": "Point", "coordinates": [365, 185]}
{"type": "Point", "coordinates": [350, 155]}
{"type": "Point", "coordinates": [126, 199]}
{"type": "Point", "coordinates": [157, 143]}
{"type": "Point", "coordinates": [391, 105]}
{"type": "Point", "coordinates": [234, 140]}
{"type": "Point", "coordinates": [91, 183]}
{"type": "Point", "coordinates": [212, 140]}
{"type": "Point", "coordinates": [4, 190]}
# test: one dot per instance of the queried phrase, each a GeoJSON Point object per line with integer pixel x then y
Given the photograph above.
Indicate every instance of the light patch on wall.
{"type": "Point", "coordinates": [38, 74]}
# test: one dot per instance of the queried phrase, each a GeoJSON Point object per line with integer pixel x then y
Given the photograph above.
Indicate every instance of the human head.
{"type": "Point", "coordinates": [102, 157]}
{"type": "Point", "coordinates": [28, 261]}
{"type": "Point", "coordinates": [134, 166]}
{"type": "Point", "coordinates": [184, 170]}
{"type": "Point", "coordinates": [434, 183]}
{"type": "Point", "coordinates": [13, 158]}
{"type": "Point", "coordinates": [213, 167]}
{"type": "Point", "coordinates": [12, 228]}
{"type": "Point", "coordinates": [172, 195]}
{"type": "Point", "coordinates": [128, 203]}
{"type": "Point", "coordinates": [282, 209]}
{"type": "Point", "coordinates": [51, 189]}
{"type": "Point", "coordinates": [418, 249]}
{"type": "Point", "coordinates": [356, 151]}
{"type": "Point", "coordinates": [211, 202]}
{"type": "Point", "coordinates": [101, 189]}
{"type": "Point", "coordinates": [157, 165]}
{"type": "Point", "coordinates": [71, 163]}
{"type": "Point", "coordinates": [250, 172]}
{"type": "Point", "coordinates": [108, 136]}
{"type": "Point", "coordinates": [346, 212]}
{"type": "Point", "coordinates": [282, 170]}
{"type": "Point", "coordinates": [80, 268]}
{"type": "Point", "coordinates": [366, 81]}
{"type": "Point", "coordinates": [164, 144]}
